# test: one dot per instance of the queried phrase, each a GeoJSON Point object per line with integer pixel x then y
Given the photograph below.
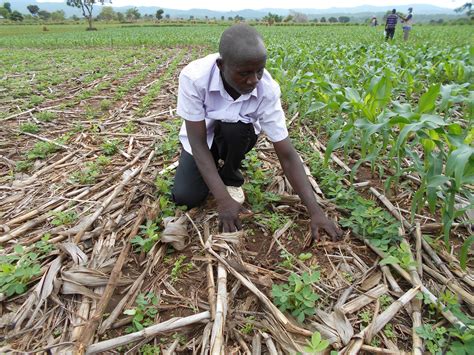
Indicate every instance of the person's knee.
{"type": "Point", "coordinates": [188, 197]}
{"type": "Point", "coordinates": [238, 133]}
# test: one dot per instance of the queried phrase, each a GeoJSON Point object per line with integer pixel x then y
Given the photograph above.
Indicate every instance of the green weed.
{"type": "Point", "coordinates": [29, 127]}
{"type": "Point", "coordinates": [110, 147]}
{"type": "Point", "coordinates": [46, 116]}
{"type": "Point", "coordinates": [180, 268]}
{"type": "Point", "coordinates": [144, 313]}
{"type": "Point", "coordinates": [63, 218]}
{"type": "Point", "coordinates": [297, 296]}
{"type": "Point", "coordinates": [149, 236]}
{"type": "Point", "coordinates": [316, 345]}
{"type": "Point", "coordinates": [42, 150]}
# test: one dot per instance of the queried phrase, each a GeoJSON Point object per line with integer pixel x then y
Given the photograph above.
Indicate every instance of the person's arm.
{"type": "Point", "coordinates": [294, 171]}
{"type": "Point", "coordinates": [227, 207]}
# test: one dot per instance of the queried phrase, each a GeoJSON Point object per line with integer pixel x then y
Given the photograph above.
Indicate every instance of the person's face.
{"type": "Point", "coordinates": [243, 76]}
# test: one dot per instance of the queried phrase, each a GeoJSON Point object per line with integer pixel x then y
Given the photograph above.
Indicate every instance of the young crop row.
{"type": "Point", "coordinates": [68, 76]}
{"type": "Point", "coordinates": [404, 110]}
{"type": "Point", "coordinates": [117, 36]}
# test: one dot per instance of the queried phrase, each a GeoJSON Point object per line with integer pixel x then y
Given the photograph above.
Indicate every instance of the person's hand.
{"type": "Point", "coordinates": [322, 222]}
{"type": "Point", "coordinates": [229, 220]}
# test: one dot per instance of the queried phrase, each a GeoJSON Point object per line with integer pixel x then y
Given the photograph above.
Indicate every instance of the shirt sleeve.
{"type": "Point", "coordinates": [190, 102]}
{"type": "Point", "coordinates": [272, 117]}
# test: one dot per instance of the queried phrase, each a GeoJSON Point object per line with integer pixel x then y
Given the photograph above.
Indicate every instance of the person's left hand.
{"type": "Point", "coordinates": [322, 222]}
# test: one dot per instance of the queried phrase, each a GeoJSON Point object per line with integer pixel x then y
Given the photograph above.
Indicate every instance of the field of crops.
{"type": "Point", "coordinates": [88, 148]}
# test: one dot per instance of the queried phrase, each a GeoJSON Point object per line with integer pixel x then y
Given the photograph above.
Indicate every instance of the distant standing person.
{"type": "Point", "coordinates": [374, 22]}
{"type": "Point", "coordinates": [407, 23]}
{"type": "Point", "coordinates": [390, 25]}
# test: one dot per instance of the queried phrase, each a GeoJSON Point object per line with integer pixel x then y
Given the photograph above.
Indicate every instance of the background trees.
{"type": "Point", "coordinates": [86, 6]}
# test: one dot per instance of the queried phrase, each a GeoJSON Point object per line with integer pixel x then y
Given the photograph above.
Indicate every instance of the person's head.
{"type": "Point", "coordinates": [242, 57]}
{"type": "Point", "coordinates": [394, 11]}
{"type": "Point", "coordinates": [410, 9]}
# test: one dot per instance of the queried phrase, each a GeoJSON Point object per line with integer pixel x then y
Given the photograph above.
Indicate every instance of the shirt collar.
{"type": "Point", "coordinates": [217, 84]}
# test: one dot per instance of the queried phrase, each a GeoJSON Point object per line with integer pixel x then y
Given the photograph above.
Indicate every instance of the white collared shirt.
{"type": "Point", "coordinates": [201, 96]}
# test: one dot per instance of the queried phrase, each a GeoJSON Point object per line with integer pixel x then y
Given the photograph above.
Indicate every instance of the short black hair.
{"type": "Point", "coordinates": [393, 11]}
{"type": "Point", "coordinates": [241, 42]}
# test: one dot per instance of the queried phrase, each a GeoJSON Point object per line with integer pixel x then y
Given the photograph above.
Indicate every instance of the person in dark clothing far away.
{"type": "Point", "coordinates": [407, 23]}
{"type": "Point", "coordinates": [226, 99]}
{"type": "Point", "coordinates": [390, 25]}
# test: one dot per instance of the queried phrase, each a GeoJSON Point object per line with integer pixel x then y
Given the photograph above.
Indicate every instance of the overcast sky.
{"type": "Point", "coordinates": [284, 4]}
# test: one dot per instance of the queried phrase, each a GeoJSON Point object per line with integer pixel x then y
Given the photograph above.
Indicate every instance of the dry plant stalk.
{"type": "Point", "coordinates": [417, 341]}
{"type": "Point", "coordinates": [364, 299]}
{"type": "Point", "coordinates": [446, 313]}
{"type": "Point", "coordinates": [206, 337]}
{"type": "Point", "coordinates": [380, 321]}
{"type": "Point", "coordinates": [257, 344]}
{"type": "Point", "coordinates": [270, 344]}
{"type": "Point", "coordinates": [169, 325]}
{"type": "Point", "coordinates": [217, 336]}
{"type": "Point", "coordinates": [211, 284]}
{"type": "Point", "coordinates": [88, 331]}
{"type": "Point", "coordinates": [466, 296]}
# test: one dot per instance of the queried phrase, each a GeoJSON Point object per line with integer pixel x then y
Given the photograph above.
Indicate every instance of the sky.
{"type": "Point", "coordinates": [284, 4]}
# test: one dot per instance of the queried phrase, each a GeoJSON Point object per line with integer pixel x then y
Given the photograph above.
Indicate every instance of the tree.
{"type": "Point", "coordinates": [33, 9]}
{"type": "Point", "coordinates": [323, 19]}
{"type": "Point", "coordinates": [87, 6]}
{"type": "Point", "coordinates": [272, 18]}
{"type": "Point", "coordinates": [107, 14]}
{"type": "Point", "coordinates": [16, 16]}
{"type": "Point", "coordinates": [332, 20]}
{"type": "Point", "coordinates": [298, 17]}
{"type": "Point", "coordinates": [467, 6]}
{"type": "Point", "coordinates": [44, 15]}
{"type": "Point", "coordinates": [120, 17]}
{"type": "Point", "coordinates": [132, 14]}
{"type": "Point", "coordinates": [4, 12]}
{"type": "Point", "coordinates": [159, 14]}
{"type": "Point", "coordinates": [58, 16]}
{"type": "Point", "coordinates": [8, 7]}
{"type": "Point", "coordinates": [222, 18]}
{"type": "Point", "coordinates": [167, 16]}
{"type": "Point", "coordinates": [344, 19]}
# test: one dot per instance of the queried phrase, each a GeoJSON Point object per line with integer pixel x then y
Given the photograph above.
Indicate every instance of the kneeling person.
{"type": "Point", "coordinates": [226, 99]}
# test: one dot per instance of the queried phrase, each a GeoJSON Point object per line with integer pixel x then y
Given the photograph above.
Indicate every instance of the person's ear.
{"type": "Point", "coordinates": [219, 63]}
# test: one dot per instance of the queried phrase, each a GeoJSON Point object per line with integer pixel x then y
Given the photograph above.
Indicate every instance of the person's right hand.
{"type": "Point", "coordinates": [229, 220]}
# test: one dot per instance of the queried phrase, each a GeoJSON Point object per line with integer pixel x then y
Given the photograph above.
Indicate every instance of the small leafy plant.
{"type": "Point", "coordinates": [148, 237]}
{"type": "Point", "coordinates": [130, 127]}
{"type": "Point", "coordinates": [316, 344]}
{"type": "Point", "coordinates": [144, 313]}
{"type": "Point", "coordinates": [23, 165]}
{"type": "Point", "coordinates": [29, 127]}
{"type": "Point", "coordinates": [17, 269]}
{"type": "Point", "coordinates": [180, 268]}
{"type": "Point", "coordinates": [105, 105]}
{"type": "Point", "coordinates": [435, 339]}
{"type": "Point", "coordinates": [46, 116]}
{"type": "Point", "coordinates": [110, 147]}
{"type": "Point", "coordinates": [42, 150]}
{"type": "Point", "coordinates": [63, 218]}
{"type": "Point", "coordinates": [297, 295]}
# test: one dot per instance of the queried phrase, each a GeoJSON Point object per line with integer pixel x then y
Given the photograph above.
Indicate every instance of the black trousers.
{"type": "Point", "coordinates": [389, 32]}
{"type": "Point", "coordinates": [231, 142]}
